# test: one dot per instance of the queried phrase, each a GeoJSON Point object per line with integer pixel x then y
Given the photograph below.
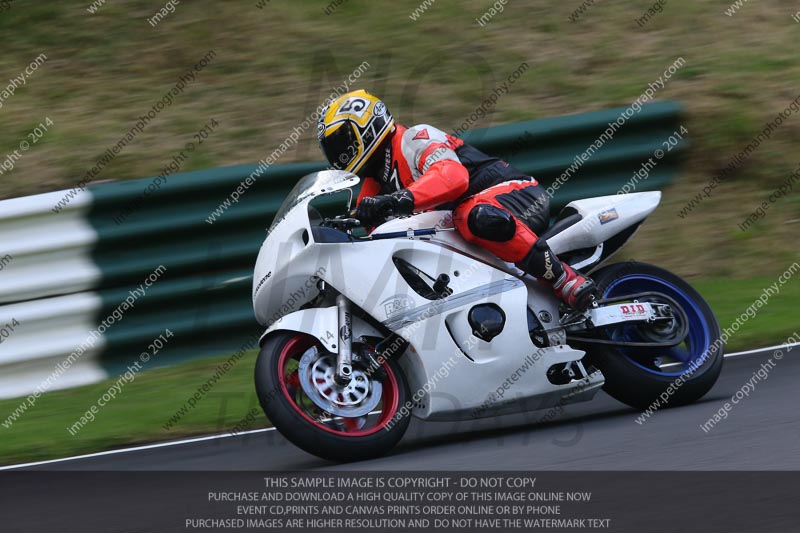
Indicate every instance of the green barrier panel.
{"type": "Point", "coordinates": [204, 295]}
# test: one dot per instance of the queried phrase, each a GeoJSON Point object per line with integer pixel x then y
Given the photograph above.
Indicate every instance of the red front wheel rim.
{"type": "Point", "coordinates": [290, 354]}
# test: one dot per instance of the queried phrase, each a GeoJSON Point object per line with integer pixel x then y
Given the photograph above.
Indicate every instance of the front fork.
{"type": "Point", "coordinates": [344, 365]}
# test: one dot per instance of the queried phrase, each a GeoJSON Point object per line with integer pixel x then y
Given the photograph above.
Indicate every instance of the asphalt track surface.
{"type": "Point", "coordinates": [760, 433]}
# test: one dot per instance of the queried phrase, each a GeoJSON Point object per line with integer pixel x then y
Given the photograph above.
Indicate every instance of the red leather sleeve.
{"type": "Point", "coordinates": [443, 182]}
{"type": "Point", "coordinates": [370, 187]}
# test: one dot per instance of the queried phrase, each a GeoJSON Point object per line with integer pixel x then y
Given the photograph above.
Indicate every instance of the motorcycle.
{"type": "Point", "coordinates": [366, 331]}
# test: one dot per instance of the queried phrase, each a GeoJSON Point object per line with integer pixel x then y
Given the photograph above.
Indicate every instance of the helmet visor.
{"type": "Point", "coordinates": [341, 147]}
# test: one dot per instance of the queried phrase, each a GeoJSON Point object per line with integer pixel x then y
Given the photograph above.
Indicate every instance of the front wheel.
{"type": "Point", "coordinates": [362, 419]}
{"type": "Point", "coordinates": [658, 377]}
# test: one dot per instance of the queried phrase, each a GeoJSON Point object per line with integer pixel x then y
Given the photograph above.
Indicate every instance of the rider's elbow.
{"type": "Point", "coordinates": [455, 175]}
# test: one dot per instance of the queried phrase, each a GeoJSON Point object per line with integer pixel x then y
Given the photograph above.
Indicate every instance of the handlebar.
{"type": "Point", "coordinates": [342, 221]}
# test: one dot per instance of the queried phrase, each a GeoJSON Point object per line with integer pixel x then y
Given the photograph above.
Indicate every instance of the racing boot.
{"type": "Point", "coordinates": [575, 290]}
{"type": "Point", "coordinates": [572, 288]}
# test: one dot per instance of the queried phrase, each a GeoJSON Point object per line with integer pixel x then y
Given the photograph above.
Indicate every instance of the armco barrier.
{"type": "Point", "coordinates": [70, 270]}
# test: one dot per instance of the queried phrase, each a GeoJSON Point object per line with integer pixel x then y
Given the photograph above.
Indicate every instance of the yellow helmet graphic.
{"type": "Point", "coordinates": [352, 128]}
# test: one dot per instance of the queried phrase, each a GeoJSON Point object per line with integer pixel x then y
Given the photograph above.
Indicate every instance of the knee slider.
{"type": "Point", "coordinates": [491, 223]}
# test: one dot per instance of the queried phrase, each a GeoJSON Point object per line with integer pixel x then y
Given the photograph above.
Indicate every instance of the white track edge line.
{"type": "Point", "coordinates": [139, 448]}
{"type": "Point", "coordinates": [748, 352]}
{"type": "Point", "coordinates": [252, 431]}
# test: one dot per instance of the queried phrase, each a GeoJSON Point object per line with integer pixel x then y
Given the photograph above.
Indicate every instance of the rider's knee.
{"type": "Point", "coordinates": [488, 222]}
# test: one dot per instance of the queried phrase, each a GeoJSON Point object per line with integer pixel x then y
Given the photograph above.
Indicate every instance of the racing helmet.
{"type": "Point", "coordinates": [352, 129]}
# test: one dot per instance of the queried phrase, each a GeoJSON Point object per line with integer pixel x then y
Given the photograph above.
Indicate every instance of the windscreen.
{"type": "Point", "coordinates": [318, 183]}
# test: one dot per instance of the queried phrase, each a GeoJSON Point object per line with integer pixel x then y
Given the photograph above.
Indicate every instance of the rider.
{"type": "Point", "coordinates": [421, 168]}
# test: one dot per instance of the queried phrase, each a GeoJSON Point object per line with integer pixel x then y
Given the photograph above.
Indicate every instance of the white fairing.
{"type": "Point", "coordinates": [603, 217]}
{"type": "Point", "coordinates": [279, 288]}
{"type": "Point", "coordinates": [275, 260]}
{"type": "Point", "coordinates": [452, 374]}
{"type": "Point", "coordinates": [322, 323]}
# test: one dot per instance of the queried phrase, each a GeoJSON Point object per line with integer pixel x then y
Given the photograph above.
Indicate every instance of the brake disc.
{"type": "Point", "coordinates": [358, 397]}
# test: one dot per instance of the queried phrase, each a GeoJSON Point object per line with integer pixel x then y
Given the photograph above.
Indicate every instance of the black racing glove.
{"type": "Point", "coordinates": [374, 210]}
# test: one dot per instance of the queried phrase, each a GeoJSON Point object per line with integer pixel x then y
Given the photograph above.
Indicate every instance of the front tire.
{"type": "Point", "coordinates": [658, 377]}
{"type": "Point", "coordinates": [299, 418]}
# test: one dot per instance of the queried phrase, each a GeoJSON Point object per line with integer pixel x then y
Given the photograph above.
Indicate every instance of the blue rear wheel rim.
{"type": "Point", "coordinates": [676, 361]}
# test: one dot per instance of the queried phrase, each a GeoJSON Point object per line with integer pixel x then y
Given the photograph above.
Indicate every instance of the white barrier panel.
{"type": "Point", "coordinates": [43, 253]}
{"type": "Point", "coordinates": [46, 312]}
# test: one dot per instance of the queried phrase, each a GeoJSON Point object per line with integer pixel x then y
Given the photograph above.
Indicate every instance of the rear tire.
{"type": "Point", "coordinates": [633, 375]}
{"type": "Point", "coordinates": [290, 410]}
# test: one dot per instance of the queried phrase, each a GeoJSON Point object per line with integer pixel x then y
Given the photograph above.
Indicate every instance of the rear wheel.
{"type": "Point", "coordinates": [359, 420]}
{"type": "Point", "coordinates": [659, 377]}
